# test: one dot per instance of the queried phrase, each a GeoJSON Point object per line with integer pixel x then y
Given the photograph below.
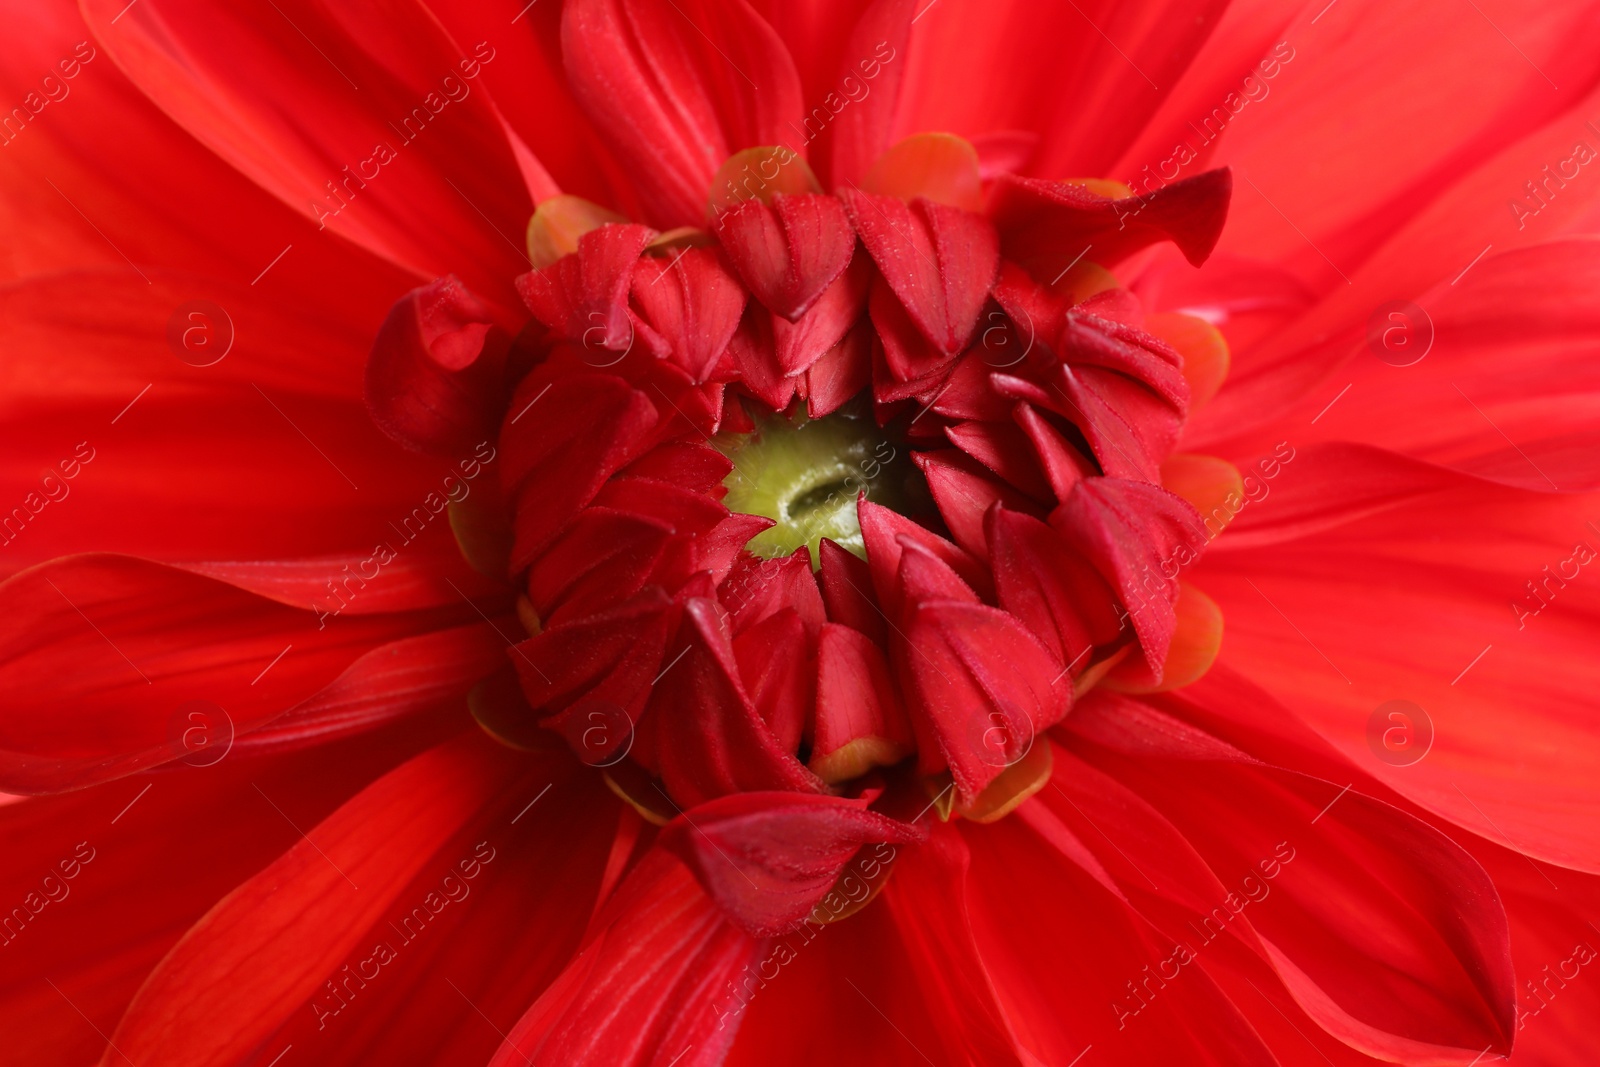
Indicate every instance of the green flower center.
{"type": "Point", "coordinates": [806, 476]}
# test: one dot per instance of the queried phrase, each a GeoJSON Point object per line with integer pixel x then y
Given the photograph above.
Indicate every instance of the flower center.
{"type": "Point", "coordinates": [807, 474]}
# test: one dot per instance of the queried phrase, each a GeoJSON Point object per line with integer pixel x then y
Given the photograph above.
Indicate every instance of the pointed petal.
{"type": "Point", "coordinates": [693, 303]}
{"type": "Point", "coordinates": [712, 740]}
{"type": "Point", "coordinates": [1137, 536]}
{"type": "Point", "coordinates": [939, 260]}
{"type": "Point", "coordinates": [790, 250]}
{"type": "Point", "coordinates": [982, 689]}
{"type": "Point", "coordinates": [1384, 983]}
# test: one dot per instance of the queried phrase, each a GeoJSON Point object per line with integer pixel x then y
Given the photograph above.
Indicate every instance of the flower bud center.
{"type": "Point", "coordinates": [806, 475]}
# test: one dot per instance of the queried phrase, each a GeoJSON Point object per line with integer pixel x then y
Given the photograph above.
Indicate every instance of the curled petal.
{"type": "Point", "coordinates": [1038, 218]}
{"type": "Point", "coordinates": [434, 374]}
{"type": "Point", "coordinates": [768, 859]}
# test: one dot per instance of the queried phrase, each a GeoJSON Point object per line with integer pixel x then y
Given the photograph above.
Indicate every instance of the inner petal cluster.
{"type": "Point", "coordinates": [850, 493]}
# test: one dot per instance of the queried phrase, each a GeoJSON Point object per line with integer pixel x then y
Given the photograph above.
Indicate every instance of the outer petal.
{"type": "Point", "coordinates": [1425, 132]}
{"type": "Point", "coordinates": [1433, 248]}
{"type": "Point", "coordinates": [987, 916]}
{"type": "Point", "coordinates": [105, 926]}
{"type": "Point", "coordinates": [171, 446]}
{"type": "Point", "coordinates": [362, 73]}
{"type": "Point", "coordinates": [649, 988]}
{"type": "Point", "coordinates": [399, 680]}
{"type": "Point", "coordinates": [291, 924]}
{"type": "Point", "coordinates": [99, 626]}
{"type": "Point", "coordinates": [102, 178]}
{"type": "Point", "coordinates": [475, 936]}
{"type": "Point", "coordinates": [1083, 77]}
{"type": "Point", "coordinates": [1422, 975]}
{"type": "Point", "coordinates": [530, 89]}
{"type": "Point", "coordinates": [674, 101]}
{"type": "Point", "coordinates": [1406, 605]}
{"type": "Point", "coordinates": [847, 993]}
{"type": "Point", "coordinates": [1509, 381]}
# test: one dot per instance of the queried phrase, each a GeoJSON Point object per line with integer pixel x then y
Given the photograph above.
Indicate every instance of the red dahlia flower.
{"type": "Point", "coordinates": [983, 533]}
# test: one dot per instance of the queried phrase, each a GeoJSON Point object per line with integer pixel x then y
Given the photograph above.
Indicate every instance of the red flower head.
{"type": "Point", "coordinates": [873, 532]}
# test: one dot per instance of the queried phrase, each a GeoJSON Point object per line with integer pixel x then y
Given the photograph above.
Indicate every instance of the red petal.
{"type": "Point", "coordinates": [983, 688]}
{"type": "Point", "coordinates": [788, 251]}
{"type": "Point", "coordinates": [846, 583]}
{"type": "Point", "coordinates": [939, 260]}
{"type": "Point", "coordinates": [775, 667]}
{"type": "Point", "coordinates": [878, 1017]}
{"type": "Point", "coordinates": [291, 925]}
{"type": "Point", "coordinates": [1056, 592]}
{"type": "Point", "coordinates": [433, 379]}
{"type": "Point", "coordinates": [768, 859]}
{"type": "Point", "coordinates": [856, 697]}
{"type": "Point", "coordinates": [424, 571]}
{"type": "Point", "coordinates": [583, 297]}
{"type": "Point", "coordinates": [553, 463]}
{"type": "Point", "coordinates": [601, 560]}
{"type": "Point", "coordinates": [1128, 428]}
{"type": "Point", "coordinates": [882, 530]}
{"type": "Point", "coordinates": [1136, 535]}
{"type": "Point", "coordinates": [396, 161]}
{"type": "Point", "coordinates": [757, 359]}
{"type": "Point", "coordinates": [970, 393]}
{"type": "Point", "coordinates": [1525, 309]}
{"type": "Point", "coordinates": [1005, 450]}
{"type": "Point", "coordinates": [1040, 218]}
{"type": "Point", "coordinates": [1090, 340]}
{"type": "Point", "coordinates": [929, 904]}
{"type": "Point", "coordinates": [878, 42]}
{"type": "Point", "coordinates": [964, 494]}
{"type": "Point", "coordinates": [712, 740]}
{"type": "Point", "coordinates": [802, 342]}
{"type": "Point", "coordinates": [924, 576]}
{"type": "Point", "coordinates": [483, 928]}
{"type": "Point", "coordinates": [1343, 933]}
{"type": "Point", "coordinates": [757, 589]}
{"type": "Point", "coordinates": [719, 550]}
{"type": "Point", "coordinates": [1059, 1013]}
{"type": "Point", "coordinates": [1514, 746]}
{"type": "Point", "coordinates": [650, 988]}
{"type": "Point", "coordinates": [907, 353]}
{"type": "Point", "coordinates": [1064, 465]}
{"type": "Point", "coordinates": [104, 949]}
{"type": "Point", "coordinates": [692, 465]}
{"type": "Point", "coordinates": [669, 84]}
{"type": "Point", "coordinates": [105, 650]}
{"type": "Point", "coordinates": [88, 344]}
{"type": "Point", "coordinates": [842, 372]}
{"type": "Point", "coordinates": [559, 664]}
{"type": "Point", "coordinates": [396, 680]}
{"type": "Point", "coordinates": [693, 303]}
{"type": "Point", "coordinates": [684, 510]}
